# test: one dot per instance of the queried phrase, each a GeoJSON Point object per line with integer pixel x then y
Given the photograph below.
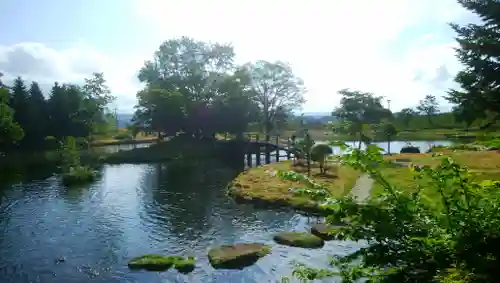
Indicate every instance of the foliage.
{"type": "Point", "coordinates": [429, 107]}
{"type": "Point", "coordinates": [9, 128]}
{"type": "Point", "coordinates": [407, 114]}
{"type": "Point", "coordinates": [409, 149]}
{"type": "Point", "coordinates": [77, 175]}
{"type": "Point", "coordinates": [192, 87]}
{"type": "Point", "coordinates": [388, 130]}
{"type": "Point", "coordinates": [73, 173]}
{"type": "Point", "coordinates": [70, 110]}
{"type": "Point", "coordinates": [320, 153]}
{"type": "Point", "coordinates": [123, 136]}
{"type": "Point", "coordinates": [478, 93]}
{"type": "Point", "coordinates": [358, 112]}
{"type": "Point", "coordinates": [410, 240]}
{"type": "Point", "coordinates": [277, 90]}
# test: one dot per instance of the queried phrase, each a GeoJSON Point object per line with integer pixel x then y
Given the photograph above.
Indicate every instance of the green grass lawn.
{"type": "Point", "coordinates": [485, 165]}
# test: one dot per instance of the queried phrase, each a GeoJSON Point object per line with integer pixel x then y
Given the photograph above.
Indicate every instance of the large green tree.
{"type": "Point", "coordinates": [278, 90]}
{"type": "Point", "coordinates": [479, 53]}
{"type": "Point", "coordinates": [204, 83]}
{"type": "Point", "coordinates": [10, 130]}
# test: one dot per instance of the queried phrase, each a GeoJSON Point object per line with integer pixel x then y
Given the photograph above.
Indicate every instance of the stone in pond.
{"type": "Point", "coordinates": [237, 256]}
{"type": "Point", "coordinates": [324, 231]}
{"type": "Point", "coordinates": [153, 262]}
{"type": "Point", "coordinates": [299, 239]}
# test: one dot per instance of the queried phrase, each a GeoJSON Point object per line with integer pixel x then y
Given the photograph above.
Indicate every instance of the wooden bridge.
{"type": "Point", "coordinates": [261, 149]}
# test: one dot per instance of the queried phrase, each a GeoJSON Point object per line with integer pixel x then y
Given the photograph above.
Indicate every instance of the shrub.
{"type": "Point", "coordinates": [123, 136]}
{"type": "Point", "coordinates": [81, 143]}
{"type": "Point", "coordinates": [77, 175]}
{"type": "Point", "coordinates": [410, 149]}
{"type": "Point", "coordinates": [319, 153]}
{"type": "Point", "coordinates": [51, 142]}
{"type": "Point", "coordinates": [410, 238]}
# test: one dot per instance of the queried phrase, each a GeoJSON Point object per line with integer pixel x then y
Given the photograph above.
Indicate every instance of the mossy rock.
{"type": "Point", "coordinates": [324, 231]}
{"type": "Point", "coordinates": [153, 262]}
{"type": "Point", "coordinates": [237, 256]}
{"type": "Point", "coordinates": [299, 239]}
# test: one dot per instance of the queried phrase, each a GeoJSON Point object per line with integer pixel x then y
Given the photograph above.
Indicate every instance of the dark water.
{"type": "Point", "coordinates": [53, 234]}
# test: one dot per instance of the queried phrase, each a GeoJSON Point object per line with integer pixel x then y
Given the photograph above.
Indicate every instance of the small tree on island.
{"type": "Point", "coordinates": [388, 130]}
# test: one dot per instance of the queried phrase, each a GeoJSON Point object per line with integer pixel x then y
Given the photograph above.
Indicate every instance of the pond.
{"type": "Point", "coordinates": [54, 234]}
{"type": "Point", "coordinates": [396, 147]}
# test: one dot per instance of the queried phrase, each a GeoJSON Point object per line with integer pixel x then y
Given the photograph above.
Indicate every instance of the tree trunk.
{"type": "Point", "coordinates": [389, 145]}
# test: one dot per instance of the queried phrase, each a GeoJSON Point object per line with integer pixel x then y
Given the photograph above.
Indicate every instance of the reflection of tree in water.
{"type": "Point", "coordinates": [188, 192]}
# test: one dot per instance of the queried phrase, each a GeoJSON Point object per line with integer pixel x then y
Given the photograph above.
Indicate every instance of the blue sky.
{"type": "Point", "coordinates": [401, 49]}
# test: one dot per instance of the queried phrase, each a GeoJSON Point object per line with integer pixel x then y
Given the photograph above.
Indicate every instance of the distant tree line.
{"type": "Point", "coordinates": [30, 120]}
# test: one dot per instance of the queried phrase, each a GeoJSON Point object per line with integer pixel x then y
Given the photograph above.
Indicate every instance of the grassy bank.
{"type": "Point", "coordinates": [485, 165]}
{"type": "Point", "coordinates": [259, 185]}
{"type": "Point", "coordinates": [175, 148]}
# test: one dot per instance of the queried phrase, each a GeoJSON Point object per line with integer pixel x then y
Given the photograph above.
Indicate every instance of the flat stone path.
{"type": "Point", "coordinates": [362, 188]}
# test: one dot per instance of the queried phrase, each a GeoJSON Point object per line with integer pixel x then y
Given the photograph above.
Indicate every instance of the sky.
{"type": "Point", "coordinates": [399, 49]}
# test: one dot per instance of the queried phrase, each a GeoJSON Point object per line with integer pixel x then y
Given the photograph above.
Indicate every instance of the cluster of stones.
{"type": "Point", "coordinates": [237, 256]}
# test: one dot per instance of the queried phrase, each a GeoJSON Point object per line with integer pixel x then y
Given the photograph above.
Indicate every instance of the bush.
{"type": "Point", "coordinates": [81, 143]}
{"type": "Point", "coordinates": [78, 175]}
{"type": "Point", "coordinates": [452, 237]}
{"type": "Point", "coordinates": [410, 149]}
{"type": "Point", "coordinates": [123, 136]}
{"type": "Point", "coordinates": [51, 142]}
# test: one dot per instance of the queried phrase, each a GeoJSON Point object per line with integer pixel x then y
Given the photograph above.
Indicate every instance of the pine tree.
{"type": "Point", "coordinates": [20, 105]}
{"type": "Point", "coordinates": [38, 116]}
{"type": "Point", "coordinates": [480, 53]}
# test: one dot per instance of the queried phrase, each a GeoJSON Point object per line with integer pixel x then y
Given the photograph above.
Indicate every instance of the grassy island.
{"type": "Point", "coordinates": [260, 186]}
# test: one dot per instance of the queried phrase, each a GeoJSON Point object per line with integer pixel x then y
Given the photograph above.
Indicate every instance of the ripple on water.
{"type": "Point", "coordinates": [54, 234]}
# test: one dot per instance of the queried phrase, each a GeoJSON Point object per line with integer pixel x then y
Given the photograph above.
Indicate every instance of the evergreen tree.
{"type": "Point", "coordinates": [480, 53]}
{"type": "Point", "coordinates": [21, 106]}
{"type": "Point", "coordinates": [38, 116]}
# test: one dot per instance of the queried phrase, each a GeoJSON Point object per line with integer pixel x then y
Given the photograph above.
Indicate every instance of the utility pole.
{"type": "Point", "coordinates": [116, 120]}
{"type": "Point", "coordinates": [389, 104]}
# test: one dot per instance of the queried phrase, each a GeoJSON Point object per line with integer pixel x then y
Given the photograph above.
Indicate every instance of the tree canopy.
{"type": "Point", "coordinates": [29, 117]}
{"type": "Point", "coordinates": [195, 88]}
{"type": "Point", "coordinates": [479, 43]}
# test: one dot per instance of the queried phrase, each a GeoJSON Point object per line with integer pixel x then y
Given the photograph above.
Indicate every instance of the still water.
{"type": "Point", "coordinates": [53, 234]}
{"type": "Point", "coordinates": [49, 233]}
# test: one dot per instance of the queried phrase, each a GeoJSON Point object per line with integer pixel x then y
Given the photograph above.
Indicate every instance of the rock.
{"type": "Point", "coordinates": [324, 231]}
{"type": "Point", "coordinates": [153, 262]}
{"type": "Point", "coordinates": [237, 256]}
{"type": "Point", "coordinates": [299, 239]}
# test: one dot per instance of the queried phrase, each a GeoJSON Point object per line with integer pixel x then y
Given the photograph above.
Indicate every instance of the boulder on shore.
{"type": "Point", "coordinates": [154, 262]}
{"type": "Point", "coordinates": [237, 256]}
{"type": "Point", "coordinates": [299, 239]}
{"type": "Point", "coordinates": [324, 231]}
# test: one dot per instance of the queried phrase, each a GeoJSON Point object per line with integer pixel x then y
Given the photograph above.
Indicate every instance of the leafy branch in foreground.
{"type": "Point", "coordinates": [412, 239]}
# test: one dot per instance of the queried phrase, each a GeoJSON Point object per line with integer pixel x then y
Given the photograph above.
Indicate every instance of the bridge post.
{"type": "Point", "coordinates": [289, 147]}
{"type": "Point", "coordinates": [249, 158]}
{"type": "Point", "coordinates": [257, 153]}
{"type": "Point", "coordinates": [268, 152]}
{"type": "Point", "coordinates": [277, 148]}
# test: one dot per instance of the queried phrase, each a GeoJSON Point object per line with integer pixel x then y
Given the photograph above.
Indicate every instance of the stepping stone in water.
{"type": "Point", "coordinates": [324, 231]}
{"type": "Point", "coordinates": [299, 239]}
{"type": "Point", "coordinates": [237, 256]}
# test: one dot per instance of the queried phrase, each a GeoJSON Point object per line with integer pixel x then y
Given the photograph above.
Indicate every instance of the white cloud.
{"type": "Point", "coordinates": [330, 44]}
{"type": "Point", "coordinates": [38, 62]}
